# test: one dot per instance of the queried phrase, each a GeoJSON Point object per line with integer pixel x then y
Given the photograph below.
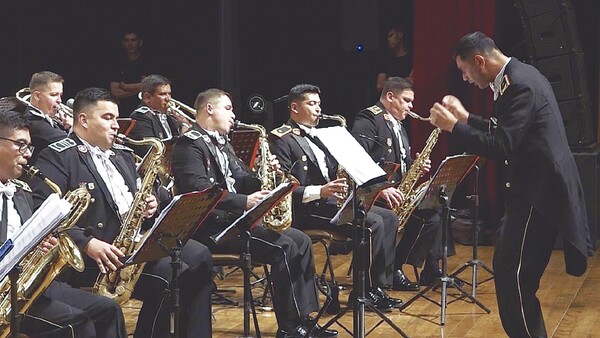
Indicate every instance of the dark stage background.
{"type": "Point", "coordinates": [267, 46]}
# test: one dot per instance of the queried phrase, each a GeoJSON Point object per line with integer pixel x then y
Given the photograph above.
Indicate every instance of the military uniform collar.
{"type": "Point", "coordinates": [497, 85]}
{"type": "Point", "coordinates": [37, 112]}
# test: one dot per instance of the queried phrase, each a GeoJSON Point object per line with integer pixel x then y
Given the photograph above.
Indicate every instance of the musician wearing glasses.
{"type": "Point", "coordinates": [151, 116]}
{"type": "Point", "coordinates": [315, 200]}
{"type": "Point", "coordinates": [48, 123]}
{"type": "Point", "coordinates": [203, 158]}
{"type": "Point", "coordinates": [90, 155]}
{"type": "Point", "coordinates": [380, 131]}
{"type": "Point", "coordinates": [61, 311]}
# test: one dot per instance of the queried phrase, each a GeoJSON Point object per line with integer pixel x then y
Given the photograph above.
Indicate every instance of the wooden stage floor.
{"type": "Point", "coordinates": [571, 305]}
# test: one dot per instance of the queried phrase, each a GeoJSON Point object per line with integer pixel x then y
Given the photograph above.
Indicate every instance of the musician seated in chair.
{"type": "Point", "coordinates": [379, 130]}
{"type": "Point", "coordinates": [152, 115]}
{"type": "Point", "coordinates": [48, 122]}
{"type": "Point", "coordinates": [90, 155]}
{"type": "Point", "coordinates": [61, 311]}
{"type": "Point", "coordinates": [202, 158]}
{"type": "Point", "coordinates": [315, 199]}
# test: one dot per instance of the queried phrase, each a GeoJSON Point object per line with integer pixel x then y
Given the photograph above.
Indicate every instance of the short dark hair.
{"type": "Point", "coordinates": [131, 30]}
{"type": "Point", "coordinates": [91, 96]}
{"type": "Point", "coordinates": [209, 96]}
{"type": "Point", "coordinates": [298, 92]}
{"type": "Point", "coordinates": [151, 82]}
{"type": "Point", "coordinates": [41, 79]}
{"type": "Point", "coordinates": [396, 85]}
{"type": "Point", "coordinates": [11, 120]}
{"type": "Point", "coordinates": [12, 103]}
{"type": "Point", "coordinates": [474, 43]}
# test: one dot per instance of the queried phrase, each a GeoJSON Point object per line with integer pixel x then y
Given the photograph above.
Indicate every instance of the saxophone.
{"type": "Point", "coordinates": [279, 218]}
{"type": "Point", "coordinates": [119, 285]}
{"type": "Point", "coordinates": [412, 197]}
{"type": "Point", "coordinates": [340, 172]}
{"type": "Point", "coordinates": [39, 269]}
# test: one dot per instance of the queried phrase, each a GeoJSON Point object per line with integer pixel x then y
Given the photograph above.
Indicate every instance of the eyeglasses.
{"type": "Point", "coordinates": [23, 147]}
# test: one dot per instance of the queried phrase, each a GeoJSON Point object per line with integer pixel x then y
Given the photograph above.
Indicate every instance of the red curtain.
{"type": "Point", "coordinates": [438, 25]}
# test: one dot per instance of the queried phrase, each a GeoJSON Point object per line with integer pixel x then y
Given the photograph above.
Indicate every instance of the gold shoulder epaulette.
{"type": "Point", "coordinates": [375, 110]}
{"type": "Point", "coordinates": [20, 184]}
{"type": "Point", "coordinates": [282, 131]}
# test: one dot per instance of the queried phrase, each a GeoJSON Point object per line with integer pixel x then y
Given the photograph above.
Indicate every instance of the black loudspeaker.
{"type": "Point", "coordinates": [588, 165]}
{"type": "Point", "coordinates": [554, 48]}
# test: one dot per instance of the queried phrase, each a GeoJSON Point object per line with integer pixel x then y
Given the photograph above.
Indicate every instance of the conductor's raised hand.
{"type": "Point", "coordinates": [441, 117]}
{"type": "Point", "coordinates": [453, 104]}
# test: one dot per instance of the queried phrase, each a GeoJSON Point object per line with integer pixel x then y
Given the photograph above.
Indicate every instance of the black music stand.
{"type": "Point", "coordinates": [245, 143]}
{"type": "Point", "coordinates": [474, 263]}
{"type": "Point", "coordinates": [369, 180]}
{"type": "Point", "coordinates": [439, 193]}
{"type": "Point", "coordinates": [241, 227]}
{"type": "Point", "coordinates": [172, 229]}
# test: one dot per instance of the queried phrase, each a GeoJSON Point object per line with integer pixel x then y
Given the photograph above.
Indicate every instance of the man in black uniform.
{"type": "Point", "coordinates": [544, 194]}
{"type": "Point", "coordinates": [61, 311]}
{"type": "Point", "coordinates": [380, 131]}
{"type": "Point", "coordinates": [203, 158]}
{"type": "Point", "coordinates": [43, 111]}
{"type": "Point", "coordinates": [315, 199]}
{"type": "Point", "coordinates": [90, 155]}
{"type": "Point", "coordinates": [151, 115]}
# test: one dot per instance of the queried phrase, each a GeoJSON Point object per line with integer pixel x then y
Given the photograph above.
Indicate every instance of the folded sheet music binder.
{"type": "Point", "coordinates": [43, 221]}
{"type": "Point", "coordinates": [175, 224]}
{"type": "Point", "coordinates": [249, 219]}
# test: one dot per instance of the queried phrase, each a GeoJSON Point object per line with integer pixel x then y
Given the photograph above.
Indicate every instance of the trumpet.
{"type": "Point", "coordinates": [24, 95]}
{"type": "Point", "coordinates": [179, 109]}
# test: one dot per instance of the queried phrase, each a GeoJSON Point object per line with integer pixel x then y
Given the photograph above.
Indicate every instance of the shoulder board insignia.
{"type": "Point", "coordinates": [143, 109]}
{"type": "Point", "coordinates": [20, 184]}
{"type": "Point", "coordinates": [62, 145]}
{"type": "Point", "coordinates": [282, 131]}
{"type": "Point", "coordinates": [504, 84]}
{"type": "Point", "coordinates": [121, 147]}
{"type": "Point", "coordinates": [375, 110]}
{"type": "Point", "coordinates": [193, 134]}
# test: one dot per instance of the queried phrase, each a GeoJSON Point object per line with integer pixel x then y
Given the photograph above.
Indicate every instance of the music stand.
{"type": "Point", "coordinates": [450, 173]}
{"type": "Point", "coordinates": [474, 263]}
{"type": "Point", "coordinates": [242, 227]}
{"type": "Point", "coordinates": [171, 230]}
{"type": "Point", "coordinates": [369, 180]}
{"type": "Point", "coordinates": [245, 144]}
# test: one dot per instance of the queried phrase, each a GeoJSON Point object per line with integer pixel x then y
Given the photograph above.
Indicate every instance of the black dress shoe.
{"type": "Point", "coordinates": [401, 282]}
{"type": "Point", "coordinates": [299, 331]}
{"type": "Point", "coordinates": [317, 330]}
{"type": "Point", "coordinates": [378, 302]}
{"type": "Point", "coordinates": [429, 277]}
{"type": "Point", "coordinates": [395, 302]}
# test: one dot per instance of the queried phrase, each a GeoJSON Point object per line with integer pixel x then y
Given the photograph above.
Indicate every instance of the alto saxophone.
{"type": "Point", "coordinates": [279, 218]}
{"type": "Point", "coordinates": [39, 269]}
{"type": "Point", "coordinates": [412, 196]}
{"type": "Point", "coordinates": [119, 285]}
{"type": "Point", "coordinates": [340, 172]}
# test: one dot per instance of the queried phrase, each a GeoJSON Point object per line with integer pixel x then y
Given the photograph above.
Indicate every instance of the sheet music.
{"type": "Point", "coordinates": [42, 222]}
{"type": "Point", "coordinates": [349, 154]}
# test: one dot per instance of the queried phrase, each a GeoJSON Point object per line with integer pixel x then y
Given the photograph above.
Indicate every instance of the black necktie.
{"type": "Point", "coordinates": [4, 223]}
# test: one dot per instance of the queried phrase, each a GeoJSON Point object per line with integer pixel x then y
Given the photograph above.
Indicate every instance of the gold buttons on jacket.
{"type": "Point", "coordinates": [505, 162]}
{"type": "Point", "coordinates": [100, 225]}
{"type": "Point", "coordinates": [507, 184]}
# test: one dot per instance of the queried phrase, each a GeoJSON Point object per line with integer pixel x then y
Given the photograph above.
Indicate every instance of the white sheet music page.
{"type": "Point", "coordinates": [39, 225]}
{"type": "Point", "coordinates": [349, 154]}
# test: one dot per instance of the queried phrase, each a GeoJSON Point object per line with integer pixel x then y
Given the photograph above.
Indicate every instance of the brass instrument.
{"type": "Point", "coordinates": [279, 218]}
{"type": "Point", "coordinates": [24, 95]}
{"type": "Point", "coordinates": [119, 285]}
{"type": "Point", "coordinates": [39, 268]}
{"type": "Point", "coordinates": [179, 109]}
{"type": "Point", "coordinates": [340, 172]}
{"type": "Point", "coordinates": [412, 196]}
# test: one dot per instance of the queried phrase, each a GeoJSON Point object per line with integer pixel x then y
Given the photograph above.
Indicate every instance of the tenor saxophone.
{"type": "Point", "coordinates": [279, 218]}
{"type": "Point", "coordinates": [39, 268]}
{"type": "Point", "coordinates": [412, 196]}
{"type": "Point", "coordinates": [119, 285]}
